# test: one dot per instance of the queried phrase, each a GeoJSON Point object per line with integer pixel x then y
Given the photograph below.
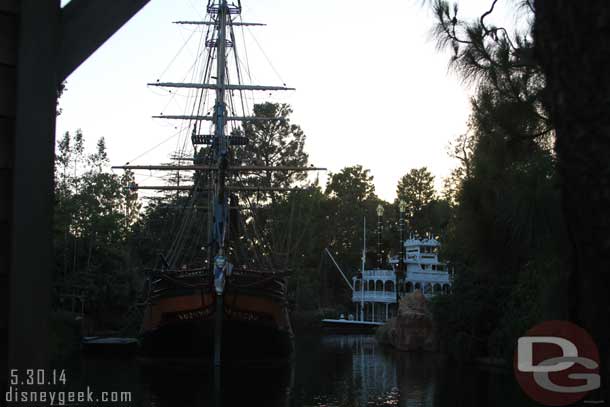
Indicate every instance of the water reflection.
{"type": "Point", "coordinates": [349, 371]}
{"type": "Point", "coordinates": [239, 385]}
{"type": "Point", "coordinates": [342, 371]}
{"type": "Point", "coordinates": [357, 371]}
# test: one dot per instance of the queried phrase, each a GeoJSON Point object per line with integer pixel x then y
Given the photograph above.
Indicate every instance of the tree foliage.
{"type": "Point", "coordinates": [275, 142]}
{"type": "Point", "coordinates": [506, 229]}
{"type": "Point", "coordinates": [416, 189]}
{"type": "Point", "coordinates": [351, 185]}
{"type": "Point", "coordinates": [94, 217]}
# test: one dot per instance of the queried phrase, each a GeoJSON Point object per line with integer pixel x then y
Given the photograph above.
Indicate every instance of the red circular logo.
{"type": "Point", "coordinates": [557, 363]}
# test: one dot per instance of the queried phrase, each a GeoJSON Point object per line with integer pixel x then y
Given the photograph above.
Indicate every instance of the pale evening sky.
{"type": "Point", "coordinates": [371, 87]}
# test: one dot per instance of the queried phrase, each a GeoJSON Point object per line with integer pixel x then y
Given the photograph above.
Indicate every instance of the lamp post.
{"type": "Point", "coordinates": [362, 281]}
{"type": "Point", "coordinates": [400, 272]}
{"type": "Point", "coordinates": [379, 255]}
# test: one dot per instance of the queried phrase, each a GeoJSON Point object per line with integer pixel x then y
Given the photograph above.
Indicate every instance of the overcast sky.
{"type": "Point", "coordinates": [371, 87]}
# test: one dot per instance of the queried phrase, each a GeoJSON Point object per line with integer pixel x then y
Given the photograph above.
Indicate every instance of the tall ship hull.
{"type": "Point", "coordinates": [180, 319]}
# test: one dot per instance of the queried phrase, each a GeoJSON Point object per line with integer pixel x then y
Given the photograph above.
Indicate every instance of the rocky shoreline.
{"type": "Point", "coordinates": [413, 328]}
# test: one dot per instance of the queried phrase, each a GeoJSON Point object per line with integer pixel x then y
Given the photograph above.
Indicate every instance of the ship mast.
{"type": "Point", "coordinates": [219, 263]}
{"type": "Point", "coordinates": [220, 148]}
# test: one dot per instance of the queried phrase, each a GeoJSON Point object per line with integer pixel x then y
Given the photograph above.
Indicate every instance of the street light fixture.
{"type": "Point", "coordinates": [379, 255]}
{"type": "Point", "coordinates": [402, 206]}
{"type": "Point", "coordinates": [400, 271]}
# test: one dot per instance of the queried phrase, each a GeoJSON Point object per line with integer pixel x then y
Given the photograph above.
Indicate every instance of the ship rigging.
{"type": "Point", "coordinates": [207, 310]}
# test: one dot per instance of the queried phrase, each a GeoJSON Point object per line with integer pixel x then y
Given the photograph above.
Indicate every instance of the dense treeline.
{"type": "Point", "coordinates": [506, 234]}
{"type": "Point", "coordinates": [94, 219]}
{"type": "Point", "coordinates": [106, 242]}
{"type": "Point", "coordinates": [532, 193]}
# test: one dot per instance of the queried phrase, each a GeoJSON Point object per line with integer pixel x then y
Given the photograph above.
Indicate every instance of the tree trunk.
{"type": "Point", "coordinates": [573, 46]}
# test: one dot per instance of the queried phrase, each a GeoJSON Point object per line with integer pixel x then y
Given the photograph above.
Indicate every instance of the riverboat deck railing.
{"type": "Point", "coordinates": [374, 296]}
{"type": "Point", "coordinates": [379, 274]}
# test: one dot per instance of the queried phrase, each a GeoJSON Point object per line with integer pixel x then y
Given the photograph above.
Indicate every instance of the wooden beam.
{"type": "Point", "coordinates": [243, 168]}
{"type": "Point", "coordinates": [212, 118]}
{"type": "Point", "coordinates": [232, 188]}
{"type": "Point", "coordinates": [86, 25]}
{"type": "Point", "coordinates": [216, 86]}
{"type": "Point", "coordinates": [214, 23]}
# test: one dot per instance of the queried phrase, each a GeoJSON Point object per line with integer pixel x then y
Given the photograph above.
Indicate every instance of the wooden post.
{"type": "Point", "coordinates": [49, 43]}
{"type": "Point", "coordinates": [218, 329]}
{"type": "Point", "coordinates": [9, 21]}
{"type": "Point", "coordinates": [32, 245]}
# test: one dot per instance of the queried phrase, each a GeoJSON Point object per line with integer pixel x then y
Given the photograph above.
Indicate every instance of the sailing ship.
{"type": "Point", "coordinates": [222, 307]}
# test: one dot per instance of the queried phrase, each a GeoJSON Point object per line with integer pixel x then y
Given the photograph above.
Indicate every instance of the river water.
{"type": "Point", "coordinates": [346, 371]}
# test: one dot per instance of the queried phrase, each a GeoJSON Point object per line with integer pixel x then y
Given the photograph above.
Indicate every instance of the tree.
{"type": "Point", "coordinates": [460, 149]}
{"type": "Point", "coordinates": [352, 196]}
{"type": "Point", "coordinates": [572, 47]}
{"type": "Point", "coordinates": [505, 64]}
{"type": "Point", "coordinates": [99, 158]}
{"type": "Point", "coordinates": [298, 232]}
{"type": "Point", "coordinates": [273, 143]}
{"type": "Point", "coordinates": [352, 199]}
{"type": "Point", "coordinates": [506, 232]}
{"type": "Point", "coordinates": [416, 189]}
{"type": "Point", "coordinates": [567, 92]}
{"type": "Point", "coordinates": [425, 212]}
{"type": "Point", "coordinates": [94, 216]}
{"type": "Point", "coordinates": [352, 185]}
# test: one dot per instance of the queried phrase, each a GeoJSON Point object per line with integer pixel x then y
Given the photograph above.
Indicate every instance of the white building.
{"type": "Point", "coordinates": [376, 299]}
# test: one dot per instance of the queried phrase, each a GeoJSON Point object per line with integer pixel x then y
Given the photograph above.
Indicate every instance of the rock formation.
{"type": "Point", "coordinates": [413, 328]}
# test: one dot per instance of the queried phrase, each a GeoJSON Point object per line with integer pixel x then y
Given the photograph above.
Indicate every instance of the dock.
{"type": "Point", "coordinates": [348, 326]}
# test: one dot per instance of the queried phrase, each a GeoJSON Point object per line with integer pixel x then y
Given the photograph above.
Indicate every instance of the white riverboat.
{"type": "Point", "coordinates": [375, 292]}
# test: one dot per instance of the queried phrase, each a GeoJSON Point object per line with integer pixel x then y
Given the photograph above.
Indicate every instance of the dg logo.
{"type": "Point", "coordinates": [557, 363]}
